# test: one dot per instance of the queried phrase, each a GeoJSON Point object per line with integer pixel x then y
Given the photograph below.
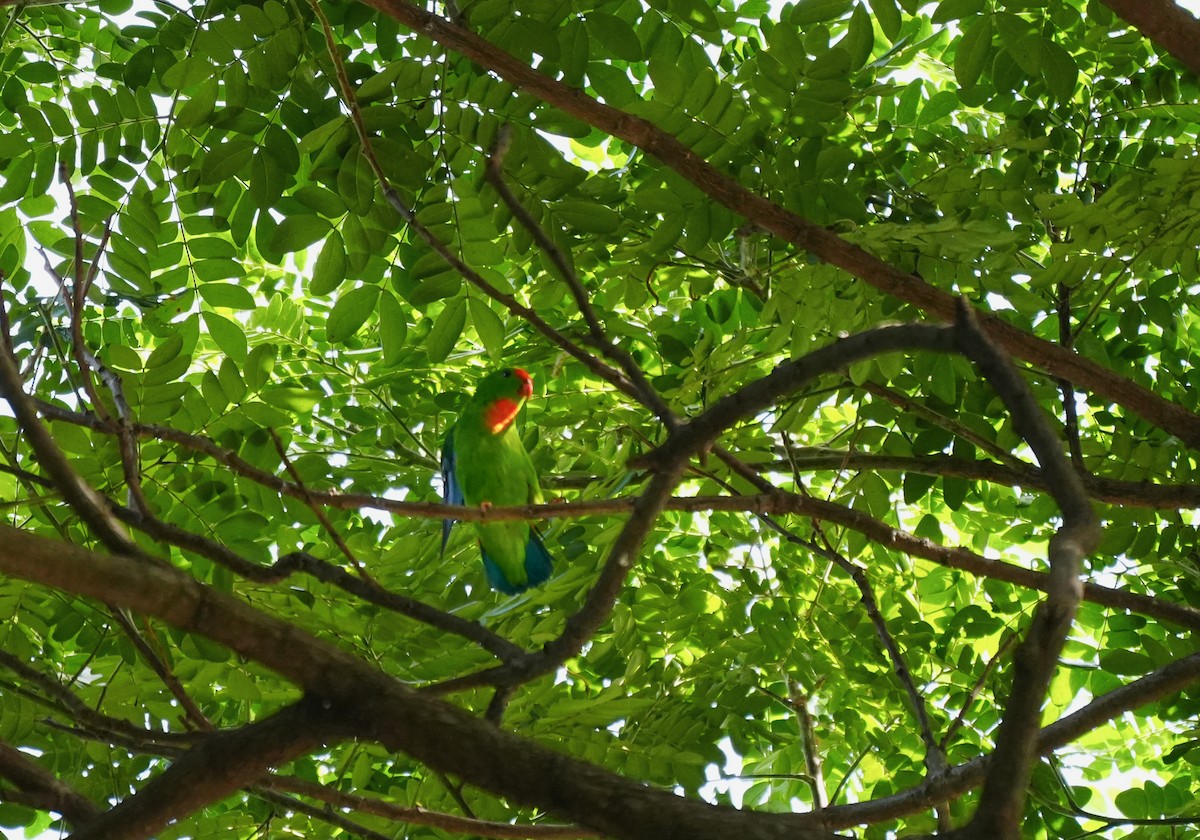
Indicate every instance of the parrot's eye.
{"type": "Point", "coordinates": [508, 373]}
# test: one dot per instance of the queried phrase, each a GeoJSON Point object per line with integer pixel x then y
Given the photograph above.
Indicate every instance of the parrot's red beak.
{"type": "Point", "coordinates": [526, 382]}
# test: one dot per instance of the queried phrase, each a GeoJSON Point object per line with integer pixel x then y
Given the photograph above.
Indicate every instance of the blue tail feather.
{"type": "Point", "coordinates": [452, 493]}
{"type": "Point", "coordinates": [538, 566]}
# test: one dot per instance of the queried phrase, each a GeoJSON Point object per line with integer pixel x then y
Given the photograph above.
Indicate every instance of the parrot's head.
{"type": "Point", "coordinates": [501, 394]}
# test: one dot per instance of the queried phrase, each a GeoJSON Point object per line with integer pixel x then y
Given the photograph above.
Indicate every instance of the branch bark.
{"type": "Point", "coordinates": [789, 226]}
{"type": "Point", "coordinates": [45, 789]}
{"type": "Point", "coordinates": [215, 768]}
{"type": "Point", "coordinates": [964, 777]}
{"type": "Point", "coordinates": [379, 707]}
{"type": "Point", "coordinates": [1167, 24]}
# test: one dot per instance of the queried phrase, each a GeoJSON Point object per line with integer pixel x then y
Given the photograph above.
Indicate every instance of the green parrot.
{"type": "Point", "coordinates": [484, 463]}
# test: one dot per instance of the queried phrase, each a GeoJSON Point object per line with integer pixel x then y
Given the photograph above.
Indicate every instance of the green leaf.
{"type": "Point", "coordinates": [227, 160]}
{"type": "Point", "coordinates": [228, 335]}
{"type": "Point", "coordinates": [447, 327]}
{"type": "Point", "coordinates": [299, 400]}
{"type": "Point", "coordinates": [187, 72]}
{"type": "Point", "coordinates": [226, 296]}
{"type": "Point", "coordinates": [16, 179]}
{"type": "Point", "coordinates": [488, 326]}
{"type": "Point", "coordinates": [1059, 70]}
{"type": "Point", "coordinates": [231, 382]}
{"type": "Point", "coordinates": [1132, 803]}
{"type": "Point", "coordinates": [973, 50]}
{"type": "Point", "coordinates": [696, 13]}
{"type": "Point", "coordinates": [166, 352]}
{"type": "Point", "coordinates": [588, 217]}
{"type": "Point", "coordinates": [860, 37]}
{"type": "Point", "coordinates": [356, 182]}
{"type": "Point", "coordinates": [617, 36]}
{"type": "Point", "coordinates": [393, 328]}
{"type": "Point", "coordinates": [887, 13]}
{"type": "Point", "coordinates": [38, 72]}
{"type": "Point", "coordinates": [949, 10]}
{"type": "Point", "coordinates": [330, 268]}
{"type": "Point", "coordinates": [296, 233]}
{"type": "Point", "coordinates": [807, 12]}
{"type": "Point", "coordinates": [351, 312]}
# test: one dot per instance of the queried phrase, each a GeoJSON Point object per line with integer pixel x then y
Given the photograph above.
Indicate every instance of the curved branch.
{"type": "Point", "coordinates": [828, 246]}
{"type": "Point", "coordinates": [45, 790]}
{"type": "Point", "coordinates": [299, 561]}
{"type": "Point", "coordinates": [1167, 24]}
{"type": "Point", "coordinates": [419, 816]}
{"type": "Point", "coordinates": [216, 767]}
{"type": "Point", "coordinates": [377, 706]}
{"type": "Point", "coordinates": [86, 502]}
{"type": "Point", "coordinates": [964, 777]}
{"type": "Point", "coordinates": [1036, 658]}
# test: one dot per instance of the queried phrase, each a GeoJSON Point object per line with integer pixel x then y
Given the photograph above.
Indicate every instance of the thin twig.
{"type": "Point", "coordinates": [326, 572]}
{"type": "Point", "coordinates": [957, 780]}
{"type": "Point", "coordinates": [599, 337]}
{"type": "Point", "coordinates": [1070, 413]}
{"type": "Point", "coordinates": [85, 501]}
{"type": "Point", "coordinates": [194, 713]}
{"type": "Point", "coordinates": [75, 300]}
{"type": "Point", "coordinates": [418, 816]}
{"type": "Point", "coordinates": [320, 514]}
{"type": "Point", "coordinates": [797, 700]}
{"type": "Point", "coordinates": [510, 302]}
{"type": "Point", "coordinates": [935, 758]}
{"type": "Point", "coordinates": [976, 689]}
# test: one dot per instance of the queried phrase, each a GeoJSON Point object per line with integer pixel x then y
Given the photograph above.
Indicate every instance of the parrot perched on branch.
{"type": "Point", "coordinates": [484, 463]}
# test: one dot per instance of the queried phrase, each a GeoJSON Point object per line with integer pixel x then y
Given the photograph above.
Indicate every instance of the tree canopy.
{"type": "Point", "coordinates": [867, 394]}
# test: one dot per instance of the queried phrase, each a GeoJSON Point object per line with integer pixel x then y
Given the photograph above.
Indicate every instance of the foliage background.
{"type": "Point", "coordinates": [235, 264]}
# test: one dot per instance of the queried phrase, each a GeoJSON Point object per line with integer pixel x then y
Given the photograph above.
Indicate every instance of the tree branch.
{"type": "Point", "coordinates": [644, 390]}
{"type": "Point", "coordinates": [378, 706]}
{"type": "Point", "coordinates": [418, 816]}
{"type": "Point", "coordinates": [1167, 24]}
{"type": "Point", "coordinates": [509, 302]}
{"type": "Point", "coordinates": [787, 225]}
{"type": "Point", "coordinates": [957, 780]}
{"type": "Point", "coordinates": [216, 767]}
{"type": "Point", "coordinates": [48, 791]}
{"type": "Point", "coordinates": [1004, 791]}
{"type": "Point", "coordinates": [86, 502]}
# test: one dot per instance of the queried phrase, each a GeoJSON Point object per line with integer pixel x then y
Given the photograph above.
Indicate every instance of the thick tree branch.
{"type": "Point", "coordinates": [377, 706]}
{"type": "Point", "coordinates": [964, 777]}
{"type": "Point", "coordinates": [85, 501]}
{"type": "Point", "coordinates": [418, 816]}
{"type": "Point", "coordinates": [47, 791]}
{"type": "Point", "coordinates": [216, 767]}
{"type": "Point", "coordinates": [1167, 24]}
{"type": "Point", "coordinates": [790, 376]}
{"type": "Point", "coordinates": [1004, 791]}
{"type": "Point", "coordinates": [789, 226]}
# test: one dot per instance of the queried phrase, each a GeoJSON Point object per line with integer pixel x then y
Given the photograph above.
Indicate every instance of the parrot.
{"type": "Point", "coordinates": [484, 463]}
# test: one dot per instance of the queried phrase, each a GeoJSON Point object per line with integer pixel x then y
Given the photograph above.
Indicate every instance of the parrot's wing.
{"type": "Point", "coordinates": [451, 490]}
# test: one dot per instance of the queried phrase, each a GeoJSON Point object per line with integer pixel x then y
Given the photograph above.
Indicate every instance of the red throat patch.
{"type": "Point", "coordinates": [500, 414]}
